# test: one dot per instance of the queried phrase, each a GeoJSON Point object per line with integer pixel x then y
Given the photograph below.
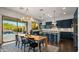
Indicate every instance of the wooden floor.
{"type": "Point", "coordinates": [66, 45]}
{"type": "Point", "coordinates": [11, 47]}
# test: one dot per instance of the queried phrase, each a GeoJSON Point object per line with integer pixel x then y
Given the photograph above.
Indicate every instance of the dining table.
{"type": "Point", "coordinates": [38, 39]}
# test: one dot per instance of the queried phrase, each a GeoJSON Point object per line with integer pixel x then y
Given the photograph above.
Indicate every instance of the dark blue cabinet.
{"type": "Point", "coordinates": [64, 23]}
{"type": "Point", "coordinates": [66, 35]}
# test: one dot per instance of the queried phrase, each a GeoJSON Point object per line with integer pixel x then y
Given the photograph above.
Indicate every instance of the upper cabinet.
{"type": "Point", "coordinates": [64, 23]}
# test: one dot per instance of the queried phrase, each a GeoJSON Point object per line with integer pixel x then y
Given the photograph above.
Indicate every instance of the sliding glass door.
{"type": "Point", "coordinates": [12, 27]}
{"type": "Point", "coordinates": [22, 28]}
{"type": "Point", "coordinates": [9, 29]}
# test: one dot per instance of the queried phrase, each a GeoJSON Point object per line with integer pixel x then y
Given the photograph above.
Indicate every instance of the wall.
{"type": "Point", "coordinates": [0, 29]}
{"type": "Point", "coordinates": [75, 24]}
{"type": "Point", "coordinates": [78, 29]}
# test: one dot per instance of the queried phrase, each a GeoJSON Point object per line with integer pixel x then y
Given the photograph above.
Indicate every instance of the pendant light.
{"type": "Point", "coordinates": [27, 17]}
{"type": "Point", "coordinates": [54, 18]}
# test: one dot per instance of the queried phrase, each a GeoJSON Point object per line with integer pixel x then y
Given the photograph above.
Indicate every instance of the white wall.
{"type": "Point", "coordinates": [78, 29]}
{"type": "Point", "coordinates": [0, 29]}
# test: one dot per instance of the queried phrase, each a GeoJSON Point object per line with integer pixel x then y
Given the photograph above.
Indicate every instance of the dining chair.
{"type": "Point", "coordinates": [42, 42]}
{"type": "Point", "coordinates": [18, 40]}
{"type": "Point", "coordinates": [32, 45]}
{"type": "Point", "coordinates": [24, 42]}
{"type": "Point", "coordinates": [0, 47]}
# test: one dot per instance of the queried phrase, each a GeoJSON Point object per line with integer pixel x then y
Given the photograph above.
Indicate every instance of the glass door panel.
{"type": "Point", "coordinates": [22, 28]}
{"type": "Point", "coordinates": [9, 29]}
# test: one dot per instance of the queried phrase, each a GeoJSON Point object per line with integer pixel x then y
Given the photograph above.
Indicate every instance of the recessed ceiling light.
{"type": "Point", "coordinates": [64, 13]}
{"type": "Point", "coordinates": [64, 8]}
{"type": "Point", "coordinates": [41, 10]}
{"type": "Point", "coordinates": [49, 15]}
{"type": "Point", "coordinates": [42, 18]}
{"type": "Point", "coordinates": [21, 8]}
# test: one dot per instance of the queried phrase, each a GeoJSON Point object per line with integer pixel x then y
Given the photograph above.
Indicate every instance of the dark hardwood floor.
{"type": "Point", "coordinates": [66, 45]}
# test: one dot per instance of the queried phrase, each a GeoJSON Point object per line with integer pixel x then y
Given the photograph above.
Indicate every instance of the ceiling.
{"type": "Point", "coordinates": [46, 13]}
